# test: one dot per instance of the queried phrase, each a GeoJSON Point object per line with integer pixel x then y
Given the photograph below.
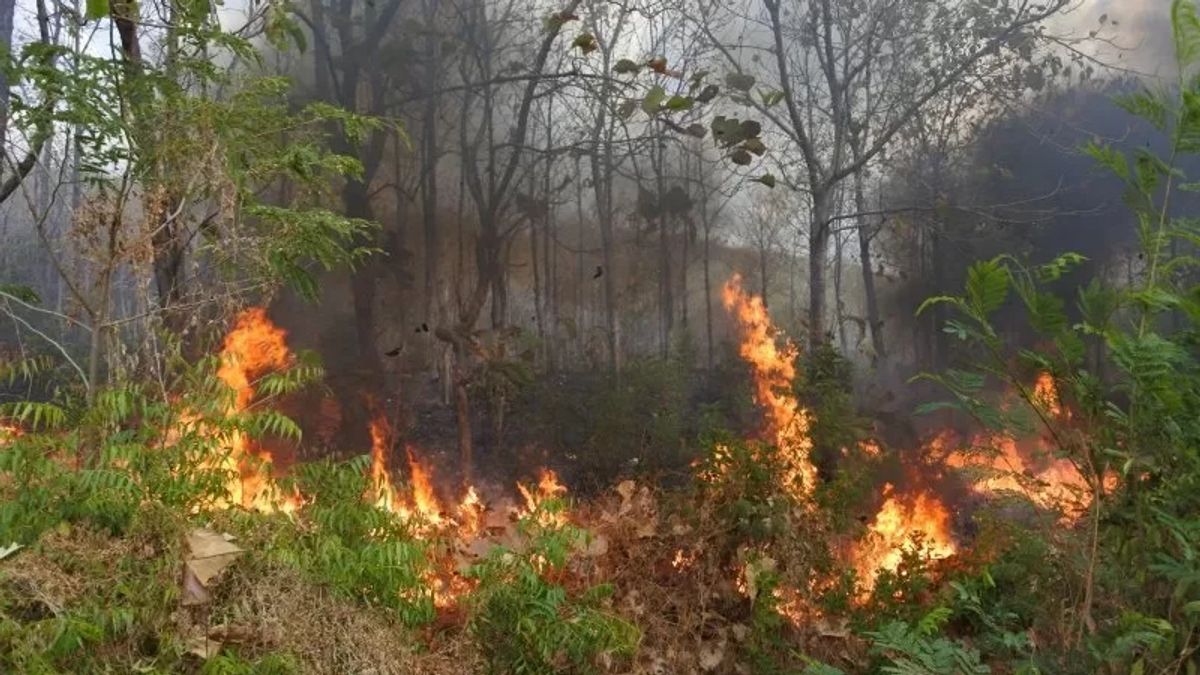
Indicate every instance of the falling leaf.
{"type": "Point", "coordinates": [755, 145]}
{"type": "Point", "coordinates": [586, 42]}
{"type": "Point", "coordinates": [770, 98]}
{"type": "Point", "coordinates": [766, 179]}
{"type": "Point", "coordinates": [556, 20]}
{"type": "Point", "coordinates": [740, 81]}
{"type": "Point", "coordinates": [750, 128]}
{"type": "Point", "coordinates": [708, 93]}
{"type": "Point", "coordinates": [626, 67]}
{"type": "Point", "coordinates": [653, 100]}
{"type": "Point", "coordinates": [679, 103]}
{"type": "Point", "coordinates": [658, 64]}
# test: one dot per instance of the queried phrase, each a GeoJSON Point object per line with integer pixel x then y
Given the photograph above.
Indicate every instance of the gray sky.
{"type": "Point", "coordinates": [1144, 31]}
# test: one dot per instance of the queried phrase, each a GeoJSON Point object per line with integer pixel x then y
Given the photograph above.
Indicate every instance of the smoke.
{"type": "Point", "coordinates": [1135, 34]}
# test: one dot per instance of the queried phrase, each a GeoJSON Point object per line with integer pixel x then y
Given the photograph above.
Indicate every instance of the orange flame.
{"type": "Point", "coordinates": [253, 348]}
{"type": "Point", "coordinates": [548, 488]}
{"type": "Point", "coordinates": [1045, 393]}
{"type": "Point", "coordinates": [1057, 485]}
{"type": "Point", "coordinates": [774, 371]}
{"type": "Point", "coordinates": [384, 494]}
{"type": "Point", "coordinates": [9, 432]}
{"type": "Point", "coordinates": [425, 502]}
{"type": "Point", "coordinates": [901, 523]}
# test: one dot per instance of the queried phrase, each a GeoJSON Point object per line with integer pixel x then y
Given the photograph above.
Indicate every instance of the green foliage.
{"type": "Point", "coordinates": [524, 622]}
{"type": "Point", "coordinates": [360, 551]}
{"type": "Point", "coordinates": [638, 422]}
{"type": "Point", "coordinates": [99, 461]}
{"type": "Point", "coordinates": [1128, 372]}
{"type": "Point", "coordinates": [916, 649]}
{"type": "Point", "coordinates": [739, 479]}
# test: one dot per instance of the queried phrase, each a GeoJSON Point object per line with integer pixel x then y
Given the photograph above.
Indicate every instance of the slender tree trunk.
{"type": "Point", "coordinates": [429, 202]}
{"type": "Point", "coordinates": [362, 281]}
{"type": "Point", "coordinates": [535, 262]}
{"type": "Point", "coordinates": [763, 263]}
{"type": "Point", "coordinates": [865, 235]}
{"type": "Point", "coordinates": [839, 302]}
{"type": "Point", "coordinates": [7, 8]}
{"type": "Point", "coordinates": [462, 413]}
{"type": "Point", "coordinates": [818, 245]}
{"type": "Point", "coordinates": [666, 298]}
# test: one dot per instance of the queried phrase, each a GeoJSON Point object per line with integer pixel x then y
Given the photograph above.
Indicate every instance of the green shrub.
{"type": "Point", "coordinates": [525, 622]}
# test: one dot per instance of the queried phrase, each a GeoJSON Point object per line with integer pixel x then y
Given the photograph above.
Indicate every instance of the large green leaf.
{"type": "Point", "coordinates": [1186, 26]}
{"type": "Point", "coordinates": [97, 9]}
{"type": "Point", "coordinates": [987, 286]}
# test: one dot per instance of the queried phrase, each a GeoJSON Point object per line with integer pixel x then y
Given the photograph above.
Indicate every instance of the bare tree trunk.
{"type": "Point", "coordinates": [6, 29]}
{"type": "Point", "coordinates": [818, 245]}
{"type": "Point", "coordinates": [839, 302]}
{"type": "Point", "coordinates": [865, 235]}
{"type": "Point", "coordinates": [538, 291]}
{"type": "Point", "coordinates": [666, 298]}
{"type": "Point", "coordinates": [429, 159]}
{"type": "Point", "coordinates": [763, 264]}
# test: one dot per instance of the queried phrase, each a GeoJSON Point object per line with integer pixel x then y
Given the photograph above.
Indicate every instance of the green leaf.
{"type": "Point", "coordinates": [771, 98]}
{"type": "Point", "coordinates": [739, 81]}
{"type": "Point", "coordinates": [987, 286]}
{"type": "Point", "coordinates": [96, 9]}
{"type": "Point", "coordinates": [626, 67]}
{"type": "Point", "coordinates": [586, 42]}
{"type": "Point", "coordinates": [653, 100]}
{"type": "Point", "coordinates": [708, 93]}
{"type": "Point", "coordinates": [755, 145]}
{"type": "Point", "coordinates": [766, 179]}
{"type": "Point", "coordinates": [1186, 27]}
{"type": "Point", "coordinates": [1146, 105]}
{"type": "Point", "coordinates": [937, 300]}
{"type": "Point", "coordinates": [1109, 158]}
{"type": "Point", "coordinates": [678, 103]}
{"type": "Point", "coordinates": [20, 292]}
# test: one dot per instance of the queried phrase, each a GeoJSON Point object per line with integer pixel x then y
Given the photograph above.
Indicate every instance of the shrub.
{"type": "Point", "coordinates": [524, 622]}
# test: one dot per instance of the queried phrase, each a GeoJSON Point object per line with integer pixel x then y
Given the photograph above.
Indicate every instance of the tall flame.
{"type": "Point", "coordinates": [253, 348]}
{"type": "Point", "coordinates": [900, 520]}
{"type": "Point", "coordinates": [774, 371]}
{"type": "Point", "coordinates": [1057, 485]}
{"type": "Point", "coordinates": [1045, 392]}
{"type": "Point", "coordinates": [424, 499]}
{"type": "Point", "coordinates": [9, 433]}
{"type": "Point", "coordinates": [383, 493]}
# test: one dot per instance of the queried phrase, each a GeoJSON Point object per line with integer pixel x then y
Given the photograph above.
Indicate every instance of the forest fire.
{"type": "Point", "coordinates": [253, 348]}
{"type": "Point", "coordinates": [774, 372]}
{"type": "Point", "coordinates": [917, 523]}
{"type": "Point", "coordinates": [1000, 466]}
{"type": "Point", "coordinates": [9, 432]}
{"type": "Point", "coordinates": [1045, 393]}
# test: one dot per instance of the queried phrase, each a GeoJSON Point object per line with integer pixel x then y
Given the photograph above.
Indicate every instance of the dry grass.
{"type": "Point", "coordinates": [274, 608]}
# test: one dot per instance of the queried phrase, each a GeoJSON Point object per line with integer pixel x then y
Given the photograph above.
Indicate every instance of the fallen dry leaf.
{"type": "Point", "coordinates": [209, 553]}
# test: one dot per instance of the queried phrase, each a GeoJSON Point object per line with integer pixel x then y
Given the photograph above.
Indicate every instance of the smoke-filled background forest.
{"type": "Point", "coordinates": [754, 336]}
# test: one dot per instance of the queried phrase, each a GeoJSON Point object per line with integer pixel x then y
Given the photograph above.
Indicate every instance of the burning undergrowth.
{"type": "Point", "coordinates": [735, 570]}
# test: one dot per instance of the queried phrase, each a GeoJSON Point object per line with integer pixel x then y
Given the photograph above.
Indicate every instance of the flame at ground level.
{"type": "Point", "coordinates": [253, 348]}
{"type": "Point", "coordinates": [774, 372]}
{"type": "Point", "coordinates": [917, 522]}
